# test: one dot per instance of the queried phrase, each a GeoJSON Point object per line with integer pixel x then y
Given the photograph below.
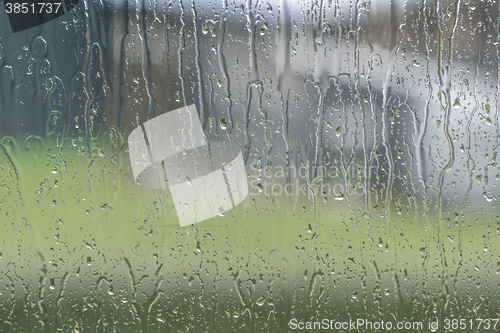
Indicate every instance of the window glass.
{"type": "Point", "coordinates": [249, 166]}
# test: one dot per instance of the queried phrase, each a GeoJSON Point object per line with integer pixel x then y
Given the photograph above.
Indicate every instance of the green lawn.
{"type": "Point", "coordinates": [85, 249]}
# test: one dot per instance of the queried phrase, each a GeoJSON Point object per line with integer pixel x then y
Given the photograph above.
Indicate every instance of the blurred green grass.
{"type": "Point", "coordinates": [79, 234]}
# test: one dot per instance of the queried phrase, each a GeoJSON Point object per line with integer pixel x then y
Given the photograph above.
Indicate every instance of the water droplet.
{"type": "Point", "coordinates": [223, 123]}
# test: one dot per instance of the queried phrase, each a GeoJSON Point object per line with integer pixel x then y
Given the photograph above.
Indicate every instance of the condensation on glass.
{"type": "Point", "coordinates": [369, 132]}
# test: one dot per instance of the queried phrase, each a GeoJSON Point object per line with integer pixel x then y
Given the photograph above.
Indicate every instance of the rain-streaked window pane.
{"type": "Point", "coordinates": [249, 166]}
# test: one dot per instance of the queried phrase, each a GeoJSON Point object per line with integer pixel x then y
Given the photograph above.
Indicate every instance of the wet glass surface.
{"type": "Point", "coordinates": [367, 133]}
